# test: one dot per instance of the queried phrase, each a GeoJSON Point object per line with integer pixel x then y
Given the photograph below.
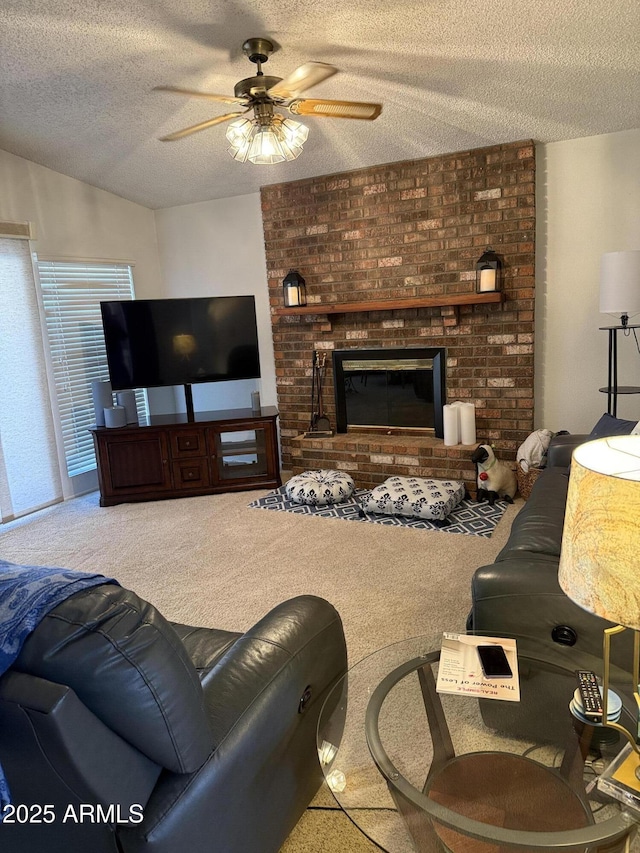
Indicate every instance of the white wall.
{"type": "Point", "coordinates": [588, 203]}
{"type": "Point", "coordinates": [75, 220]}
{"type": "Point", "coordinates": [216, 248]}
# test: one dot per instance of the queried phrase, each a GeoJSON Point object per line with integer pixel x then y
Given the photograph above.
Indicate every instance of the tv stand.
{"type": "Point", "coordinates": [171, 456]}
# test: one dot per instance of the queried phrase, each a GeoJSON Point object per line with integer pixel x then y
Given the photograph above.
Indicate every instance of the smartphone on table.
{"type": "Point", "coordinates": [494, 663]}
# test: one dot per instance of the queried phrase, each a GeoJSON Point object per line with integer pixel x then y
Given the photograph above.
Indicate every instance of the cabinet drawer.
{"type": "Point", "coordinates": [185, 443]}
{"type": "Point", "coordinates": [191, 473]}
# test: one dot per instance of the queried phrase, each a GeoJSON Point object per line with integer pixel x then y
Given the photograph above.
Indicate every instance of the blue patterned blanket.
{"type": "Point", "coordinates": [27, 594]}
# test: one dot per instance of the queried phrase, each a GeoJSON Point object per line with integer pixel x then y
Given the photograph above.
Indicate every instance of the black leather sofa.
{"type": "Point", "coordinates": [141, 735]}
{"type": "Point", "coordinates": [519, 594]}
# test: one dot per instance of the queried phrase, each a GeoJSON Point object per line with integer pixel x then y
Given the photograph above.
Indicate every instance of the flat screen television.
{"type": "Point", "coordinates": [159, 342]}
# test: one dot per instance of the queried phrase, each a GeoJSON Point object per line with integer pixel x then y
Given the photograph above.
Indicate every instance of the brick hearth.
{"type": "Point", "coordinates": [407, 230]}
{"type": "Point", "coordinates": [371, 458]}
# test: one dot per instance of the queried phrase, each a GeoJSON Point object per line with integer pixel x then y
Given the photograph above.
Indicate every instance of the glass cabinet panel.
{"type": "Point", "coordinates": [241, 453]}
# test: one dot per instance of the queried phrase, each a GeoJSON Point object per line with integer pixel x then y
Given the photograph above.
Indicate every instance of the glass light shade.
{"type": "Point", "coordinates": [601, 537]}
{"type": "Point", "coordinates": [294, 133]}
{"type": "Point", "coordinates": [265, 147]}
{"type": "Point", "coordinates": [620, 283]}
{"type": "Point", "coordinates": [239, 131]}
{"type": "Point", "coordinates": [240, 150]}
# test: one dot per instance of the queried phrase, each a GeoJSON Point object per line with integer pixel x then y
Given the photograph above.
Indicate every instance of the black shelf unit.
{"type": "Point", "coordinates": [612, 389]}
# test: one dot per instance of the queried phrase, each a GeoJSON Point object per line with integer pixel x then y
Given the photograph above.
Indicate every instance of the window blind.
{"type": "Point", "coordinates": [71, 296]}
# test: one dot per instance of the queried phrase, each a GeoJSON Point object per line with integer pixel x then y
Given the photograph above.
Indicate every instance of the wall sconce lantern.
{"type": "Point", "coordinates": [488, 272]}
{"type": "Point", "coordinates": [295, 290]}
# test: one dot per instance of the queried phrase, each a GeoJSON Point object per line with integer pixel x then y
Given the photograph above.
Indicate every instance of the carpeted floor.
{"type": "Point", "coordinates": [214, 561]}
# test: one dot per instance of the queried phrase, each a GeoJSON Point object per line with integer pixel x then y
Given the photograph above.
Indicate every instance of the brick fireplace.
{"type": "Point", "coordinates": [401, 240]}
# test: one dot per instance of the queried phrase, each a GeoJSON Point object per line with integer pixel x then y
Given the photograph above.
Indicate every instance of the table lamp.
{"type": "Point", "coordinates": [599, 560]}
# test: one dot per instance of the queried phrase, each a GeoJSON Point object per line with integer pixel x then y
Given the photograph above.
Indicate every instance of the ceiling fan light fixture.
{"type": "Point", "coordinates": [265, 140]}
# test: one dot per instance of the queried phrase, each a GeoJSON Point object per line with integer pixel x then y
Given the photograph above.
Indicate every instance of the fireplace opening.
{"type": "Point", "coordinates": [401, 388]}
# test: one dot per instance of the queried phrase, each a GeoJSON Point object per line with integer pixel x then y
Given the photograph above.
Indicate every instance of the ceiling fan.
{"type": "Point", "coordinates": [269, 137]}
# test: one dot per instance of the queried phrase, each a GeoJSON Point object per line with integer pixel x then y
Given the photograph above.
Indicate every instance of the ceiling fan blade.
{"type": "Point", "coordinates": [223, 99]}
{"type": "Point", "coordinates": [303, 78]}
{"type": "Point", "coordinates": [187, 131]}
{"type": "Point", "coordinates": [335, 109]}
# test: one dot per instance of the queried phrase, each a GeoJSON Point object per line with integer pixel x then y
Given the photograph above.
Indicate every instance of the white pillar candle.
{"type": "Point", "coordinates": [467, 423]}
{"type": "Point", "coordinates": [102, 398]}
{"type": "Point", "coordinates": [115, 416]}
{"type": "Point", "coordinates": [128, 400]}
{"type": "Point", "coordinates": [487, 280]}
{"type": "Point", "coordinates": [292, 296]}
{"type": "Point", "coordinates": [450, 423]}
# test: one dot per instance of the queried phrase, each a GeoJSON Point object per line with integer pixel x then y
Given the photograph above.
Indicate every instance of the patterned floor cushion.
{"type": "Point", "coordinates": [414, 497]}
{"type": "Point", "coordinates": [320, 488]}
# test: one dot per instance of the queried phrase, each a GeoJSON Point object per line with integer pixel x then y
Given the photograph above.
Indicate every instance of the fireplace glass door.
{"type": "Point", "coordinates": [396, 388]}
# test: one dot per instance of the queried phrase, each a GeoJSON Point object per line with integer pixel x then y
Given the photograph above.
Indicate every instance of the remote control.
{"type": "Point", "coordinates": [590, 695]}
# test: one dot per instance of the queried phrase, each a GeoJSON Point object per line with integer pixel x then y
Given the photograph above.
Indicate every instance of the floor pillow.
{"type": "Point", "coordinates": [320, 488]}
{"type": "Point", "coordinates": [414, 497]}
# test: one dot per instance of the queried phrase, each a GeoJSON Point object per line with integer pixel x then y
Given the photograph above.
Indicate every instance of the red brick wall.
{"type": "Point", "coordinates": [401, 230]}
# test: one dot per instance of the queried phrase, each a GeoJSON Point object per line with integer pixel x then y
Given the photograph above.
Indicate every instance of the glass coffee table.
{"type": "Point", "coordinates": [416, 770]}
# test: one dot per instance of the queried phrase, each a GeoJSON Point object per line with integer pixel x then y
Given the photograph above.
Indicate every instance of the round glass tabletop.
{"type": "Point", "coordinates": [418, 770]}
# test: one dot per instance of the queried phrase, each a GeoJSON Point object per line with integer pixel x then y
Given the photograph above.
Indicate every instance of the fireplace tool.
{"type": "Point", "coordinates": [320, 424]}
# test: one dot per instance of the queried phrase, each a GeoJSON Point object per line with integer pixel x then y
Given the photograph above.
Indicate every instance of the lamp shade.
{"type": "Point", "coordinates": [601, 537]}
{"type": "Point", "coordinates": [620, 283]}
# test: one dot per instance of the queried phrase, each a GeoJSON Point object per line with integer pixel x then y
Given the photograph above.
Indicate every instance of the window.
{"type": "Point", "coordinates": [71, 295]}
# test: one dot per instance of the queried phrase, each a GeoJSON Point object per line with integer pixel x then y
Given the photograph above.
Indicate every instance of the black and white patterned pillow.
{"type": "Point", "coordinates": [320, 488]}
{"type": "Point", "coordinates": [414, 497]}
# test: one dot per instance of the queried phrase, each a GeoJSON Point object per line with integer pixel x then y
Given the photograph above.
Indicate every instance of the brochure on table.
{"type": "Point", "coordinates": [460, 671]}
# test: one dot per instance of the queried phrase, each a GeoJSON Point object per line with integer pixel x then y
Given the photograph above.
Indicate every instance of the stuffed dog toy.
{"type": "Point", "coordinates": [494, 478]}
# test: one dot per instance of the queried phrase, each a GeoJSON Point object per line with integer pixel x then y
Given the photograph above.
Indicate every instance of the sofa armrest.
{"type": "Point", "coordinates": [66, 748]}
{"type": "Point", "coordinates": [522, 598]}
{"type": "Point", "coordinates": [561, 448]}
{"type": "Point", "coordinates": [265, 763]}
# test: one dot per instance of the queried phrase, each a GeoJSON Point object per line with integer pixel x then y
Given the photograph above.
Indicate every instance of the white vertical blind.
{"type": "Point", "coordinates": [71, 295]}
{"type": "Point", "coordinates": [29, 470]}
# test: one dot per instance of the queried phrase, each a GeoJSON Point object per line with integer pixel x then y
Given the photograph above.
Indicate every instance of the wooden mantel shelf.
{"type": "Point", "coordinates": [393, 304]}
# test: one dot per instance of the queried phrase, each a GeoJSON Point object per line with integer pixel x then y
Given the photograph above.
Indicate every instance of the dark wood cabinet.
{"type": "Point", "coordinates": [171, 457]}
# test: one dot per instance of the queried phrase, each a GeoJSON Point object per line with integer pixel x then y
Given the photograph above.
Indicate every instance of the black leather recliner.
{"type": "Point", "coordinates": [121, 732]}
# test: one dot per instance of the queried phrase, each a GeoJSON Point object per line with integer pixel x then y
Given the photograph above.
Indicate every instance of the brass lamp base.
{"type": "Point", "coordinates": [606, 673]}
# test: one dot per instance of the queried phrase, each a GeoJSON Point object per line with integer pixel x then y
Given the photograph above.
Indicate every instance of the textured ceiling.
{"type": "Point", "coordinates": [76, 82]}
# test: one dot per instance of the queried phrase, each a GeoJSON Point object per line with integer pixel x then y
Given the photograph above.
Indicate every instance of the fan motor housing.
{"type": "Point", "coordinates": [254, 85]}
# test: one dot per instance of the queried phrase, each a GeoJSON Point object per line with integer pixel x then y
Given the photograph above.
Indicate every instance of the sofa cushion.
{"type": "Point", "coordinates": [608, 425]}
{"type": "Point", "coordinates": [128, 666]}
{"type": "Point", "coordinates": [537, 529]}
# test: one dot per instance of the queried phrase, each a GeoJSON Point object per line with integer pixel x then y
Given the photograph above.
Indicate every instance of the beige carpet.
{"type": "Point", "coordinates": [213, 561]}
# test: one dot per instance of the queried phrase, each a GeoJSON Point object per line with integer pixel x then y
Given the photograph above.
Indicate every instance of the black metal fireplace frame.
{"type": "Point", "coordinates": [437, 354]}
